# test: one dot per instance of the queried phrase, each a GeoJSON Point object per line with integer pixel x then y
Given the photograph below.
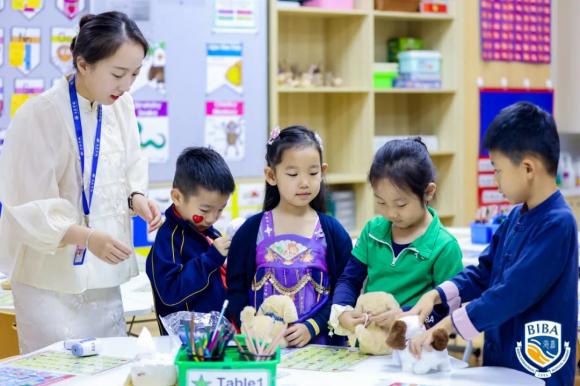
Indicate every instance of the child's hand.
{"type": "Point", "coordinates": [425, 305]}
{"type": "Point", "coordinates": [222, 244]}
{"type": "Point", "coordinates": [107, 248]}
{"type": "Point", "coordinates": [385, 319]}
{"type": "Point", "coordinates": [421, 342]}
{"type": "Point", "coordinates": [147, 209]}
{"type": "Point", "coordinates": [350, 319]}
{"type": "Point", "coordinates": [297, 335]}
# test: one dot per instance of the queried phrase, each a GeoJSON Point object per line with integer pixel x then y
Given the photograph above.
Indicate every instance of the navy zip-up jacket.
{"type": "Point", "coordinates": [242, 265]}
{"type": "Point", "coordinates": [184, 269]}
{"type": "Point", "coordinates": [524, 293]}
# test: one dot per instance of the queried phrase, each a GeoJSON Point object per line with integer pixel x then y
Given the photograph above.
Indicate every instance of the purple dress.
{"type": "Point", "coordinates": [291, 265]}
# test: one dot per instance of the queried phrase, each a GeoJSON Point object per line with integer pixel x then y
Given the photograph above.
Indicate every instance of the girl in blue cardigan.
{"type": "Point", "coordinates": [292, 248]}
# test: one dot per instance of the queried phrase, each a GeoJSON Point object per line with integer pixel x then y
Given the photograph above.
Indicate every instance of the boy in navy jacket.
{"type": "Point", "coordinates": [185, 264]}
{"type": "Point", "coordinates": [523, 294]}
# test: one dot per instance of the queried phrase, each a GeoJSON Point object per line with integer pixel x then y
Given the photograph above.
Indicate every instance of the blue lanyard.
{"type": "Point", "coordinates": [74, 104]}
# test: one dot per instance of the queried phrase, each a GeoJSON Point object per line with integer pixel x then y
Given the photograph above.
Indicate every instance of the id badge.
{"type": "Point", "coordinates": [79, 257]}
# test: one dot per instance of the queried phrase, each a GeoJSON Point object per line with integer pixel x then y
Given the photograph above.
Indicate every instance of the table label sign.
{"type": "Point", "coordinates": [221, 377]}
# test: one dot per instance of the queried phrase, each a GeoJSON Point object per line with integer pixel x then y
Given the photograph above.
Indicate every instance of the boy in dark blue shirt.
{"type": "Point", "coordinates": [523, 293]}
{"type": "Point", "coordinates": [186, 260]}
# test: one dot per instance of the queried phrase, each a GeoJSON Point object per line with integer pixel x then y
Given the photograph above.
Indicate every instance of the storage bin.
{"type": "Point", "coordinates": [425, 62]}
{"type": "Point", "coordinates": [334, 4]}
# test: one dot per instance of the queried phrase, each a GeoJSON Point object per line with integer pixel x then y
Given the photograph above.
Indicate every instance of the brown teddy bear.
{"type": "Point", "coordinates": [271, 318]}
{"type": "Point", "coordinates": [371, 338]}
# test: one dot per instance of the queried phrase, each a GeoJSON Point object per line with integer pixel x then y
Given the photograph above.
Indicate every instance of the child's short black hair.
{"type": "Point", "coordinates": [406, 163]}
{"type": "Point", "coordinates": [524, 128]}
{"type": "Point", "coordinates": [202, 167]}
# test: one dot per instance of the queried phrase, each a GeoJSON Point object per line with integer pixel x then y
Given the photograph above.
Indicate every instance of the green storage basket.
{"type": "Point", "coordinates": [233, 367]}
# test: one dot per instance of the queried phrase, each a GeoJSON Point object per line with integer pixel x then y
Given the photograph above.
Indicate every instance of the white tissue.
{"type": "Point", "coordinates": [151, 367]}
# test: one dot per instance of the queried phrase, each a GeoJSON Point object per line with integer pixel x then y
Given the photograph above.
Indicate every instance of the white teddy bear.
{"type": "Point", "coordinates": [404, 330]}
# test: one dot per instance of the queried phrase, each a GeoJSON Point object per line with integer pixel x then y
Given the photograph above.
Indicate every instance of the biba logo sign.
{"type": "Point", "coordinates": [542, 347]}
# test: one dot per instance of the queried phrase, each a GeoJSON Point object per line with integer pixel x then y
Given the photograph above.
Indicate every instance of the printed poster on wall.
{"type": "Point", "coordinates": [491, 102]}
{"type": "Point", "coordinates": [1, 97]}
{"type": "Point", "coordinates": [152, 72]}
{"type": "Point", "coordinates": [225, 130]}
{"type": "Point", "coordinates": [246, 201]}
{"type": "Point", "coordinates": [516, 30]}
{"type": "Point", "coordinates": [24, 89]}
{"type": "Point", "coordinates": [60, 53]}
{"type": "Point", "coordinates": [1, 46]}
{"type": "Point", "coordinates": [70, 8]}
{"type": "Point", "coordinates": [29, 8]}
{"type": "Point", "coordinates": [137, 10]}
{"type": "Point", "coordinates": [235, 16]}
{"type": "Point", "coordinates": [224, 67]}
{"type": "Point", "coordinates": [153, 129]}
{"type": "Point", "coordinates": [24, 49]}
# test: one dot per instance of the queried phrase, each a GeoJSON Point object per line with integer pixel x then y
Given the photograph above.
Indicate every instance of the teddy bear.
{"type": "Point", "coordinates": [271, 318]}
{"type": "Point", "coordinates": [372, 338]}
{"type": "Point", "coordinates": [404, 329]}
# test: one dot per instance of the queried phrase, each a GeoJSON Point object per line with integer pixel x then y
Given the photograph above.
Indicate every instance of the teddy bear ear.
{"type": "Point", "coordinates": [440, 340]}
{"type": "Point", "coordinates": [396, 339]}
{"type": "Point", "coordinates": [247, 314]}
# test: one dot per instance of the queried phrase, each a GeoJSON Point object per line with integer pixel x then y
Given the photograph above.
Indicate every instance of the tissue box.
{"type": "Point", "coordinates": [335, 4]}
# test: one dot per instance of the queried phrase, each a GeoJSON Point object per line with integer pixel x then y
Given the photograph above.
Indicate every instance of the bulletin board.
{"type": "Point", "coordinates": [492, 101]}
{"type": "Point", "coordinates": [204, 81]}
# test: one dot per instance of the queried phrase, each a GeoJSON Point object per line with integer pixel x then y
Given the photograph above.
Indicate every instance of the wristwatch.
{"type": "Point", "coordinates": [130, 199]}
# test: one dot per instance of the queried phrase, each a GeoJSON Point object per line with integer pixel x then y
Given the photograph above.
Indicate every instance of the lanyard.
{"type": "Point", "coordinates": [74, 104]}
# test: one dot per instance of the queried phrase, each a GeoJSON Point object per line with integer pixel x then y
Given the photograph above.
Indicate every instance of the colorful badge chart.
{"type": "Point", "coordinates": [322, 358]}
{"type": "Point", "coordinates": [515, 30]}
{"type": "Point", "coordinates": [51, 366]}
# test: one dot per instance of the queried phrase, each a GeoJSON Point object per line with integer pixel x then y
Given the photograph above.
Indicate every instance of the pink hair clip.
{"type": "Point", "coordinates": [275, 133]}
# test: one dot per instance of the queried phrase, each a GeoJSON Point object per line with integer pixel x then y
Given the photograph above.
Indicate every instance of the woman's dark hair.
{"type": "Point", "coordinates": [406, 163]}
{"type": "Point", "coordinates": [289, 138]}
{"type": "Point", "coordinates": [100, 36]}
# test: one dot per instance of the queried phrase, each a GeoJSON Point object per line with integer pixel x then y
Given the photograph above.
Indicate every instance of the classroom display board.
{"type": "Point", "coordinates": [516, 30]}
{"type": "Point", "coordinates": [491, 102]}
{"type": "Point", "coordinates": [203, 81]}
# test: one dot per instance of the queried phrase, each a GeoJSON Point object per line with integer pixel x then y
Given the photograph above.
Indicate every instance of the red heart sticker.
{"type": "Point", "coordinates": [197, 219]}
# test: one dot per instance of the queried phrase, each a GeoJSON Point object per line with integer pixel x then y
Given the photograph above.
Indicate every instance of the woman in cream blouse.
{"type": "Point", "coordinates": [61, 290]}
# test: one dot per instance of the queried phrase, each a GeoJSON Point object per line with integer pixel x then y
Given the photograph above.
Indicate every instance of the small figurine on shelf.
{"type": "Point", "coordinates": [331, 81]}
{"type": "Point", "coordinates": [284, 74]}
{"type": "Point", "coordinates": [293, 76]}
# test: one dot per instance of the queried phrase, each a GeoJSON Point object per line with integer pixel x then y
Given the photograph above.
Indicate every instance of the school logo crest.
{"type": "Point", "coordinates": [542, 348]}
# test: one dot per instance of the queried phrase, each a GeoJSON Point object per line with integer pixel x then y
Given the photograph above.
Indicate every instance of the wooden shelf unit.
{"type": "Point", "coordinates": [347, 43]}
